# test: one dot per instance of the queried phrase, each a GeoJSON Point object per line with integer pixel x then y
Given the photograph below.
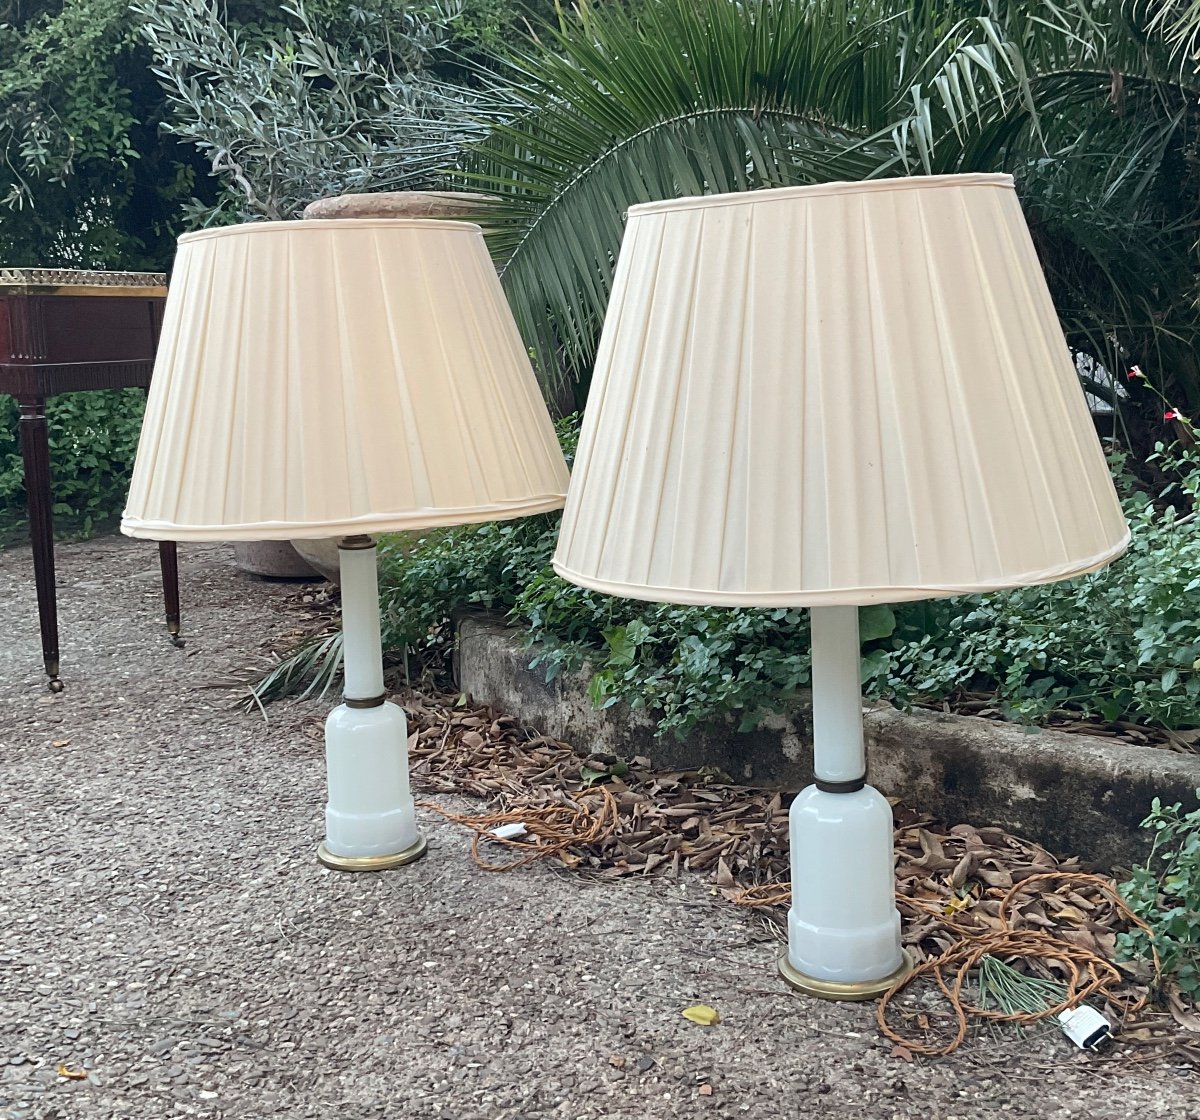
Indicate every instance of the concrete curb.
{"type": "Point", "coordinates": [1072, 793]}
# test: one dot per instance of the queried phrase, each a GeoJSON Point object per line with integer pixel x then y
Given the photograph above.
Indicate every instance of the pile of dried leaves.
{"type": "Point", "coordinates": [950, 880]}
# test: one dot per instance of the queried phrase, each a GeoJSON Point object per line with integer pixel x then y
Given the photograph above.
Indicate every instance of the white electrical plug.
{"type": "Point", "coordinates": [509, 831]}
{"type": "Point", "coordinates": [1085, 1026]}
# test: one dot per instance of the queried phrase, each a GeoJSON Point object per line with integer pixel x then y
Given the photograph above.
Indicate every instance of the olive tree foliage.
{"type": "Point", "coordinates": [310, 109]}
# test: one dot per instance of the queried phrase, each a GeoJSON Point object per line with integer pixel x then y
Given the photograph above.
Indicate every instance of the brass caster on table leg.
{"type": "Point", "coordinates": [840, 990]}
{"type": "Point", "coordinates": [371, 863]}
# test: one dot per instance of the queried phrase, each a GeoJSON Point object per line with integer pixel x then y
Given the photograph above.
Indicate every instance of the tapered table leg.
{"type": "Point", "coordinates": [35, 453]}
{"type": "Point", "coordinates": [168, 553]}
{"type": "Point", "coordinates": [168, 562]}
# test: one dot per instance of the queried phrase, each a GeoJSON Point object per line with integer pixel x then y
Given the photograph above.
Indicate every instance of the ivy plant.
{"type": "Point", "coordinates": [1122, 643]}
{"type": "Point", "coordinates": [1165, 893]}
{"type": "Point", "coordinates": [93, 437]}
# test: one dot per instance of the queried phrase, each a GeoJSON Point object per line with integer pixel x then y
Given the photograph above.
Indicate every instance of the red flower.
{"type": "Point", "coordinates": [1172, 414]}
{"type": "Point", "coordinates": [1135, 373]}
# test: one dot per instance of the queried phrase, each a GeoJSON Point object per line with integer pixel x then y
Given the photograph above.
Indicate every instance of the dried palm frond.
{"type": "Point", "coordinates": [308, 671]}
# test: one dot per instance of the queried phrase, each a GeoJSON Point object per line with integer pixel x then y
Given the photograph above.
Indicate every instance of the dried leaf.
{"type": "Point", "coordinates": [962, 869]}
{"type": "Point", "coordinates": [1187, 1019]}
{"type": "Point", "coordinates": [934, 858]}
{"type": "Point", "coordinates": [1071, 914]}
{"type": "Point", "coordinates": [1141, 1034]}
{"type": "Point", "coordinates": [1080, 937]}
{"type": "Point", "coordinates": [702, 1015]}
{"type": "Point", "coordinates": [70, 1074]}
{"type": "Point", "coordinates": [1000, 878]}
{"type": "Point", "coordinates": [902, 1052]}
{"type": "Point", "coordinates": [993, 836]}
{"type": "Point", "coordinates": [956, 904]}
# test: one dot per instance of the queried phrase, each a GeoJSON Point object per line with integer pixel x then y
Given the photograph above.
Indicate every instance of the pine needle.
{"type": "Point", "coordinates": [1012, 991]}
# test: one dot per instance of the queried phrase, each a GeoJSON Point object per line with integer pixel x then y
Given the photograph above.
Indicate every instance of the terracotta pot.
{"type": "Point", "coordinates": [397, 204]}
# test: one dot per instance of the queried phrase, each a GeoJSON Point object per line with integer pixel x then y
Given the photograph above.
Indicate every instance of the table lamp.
{"type": "Point", "coordinates": [825, 397]}
{"type": "Point", "coordinates": [343, 378]}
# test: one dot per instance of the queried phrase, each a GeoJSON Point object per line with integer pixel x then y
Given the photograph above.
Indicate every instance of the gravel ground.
{"type": "Point", "coordinates": [163, 926]}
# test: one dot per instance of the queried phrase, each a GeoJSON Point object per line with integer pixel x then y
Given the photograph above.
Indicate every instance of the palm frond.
{"type": "Point", "coordinates": [678, 97]}
{"type": "Point", "coordinates": [1178, 21]}
{"type": "Point", "coordinates": [1078, 99]}
{"type": "Point", "coordinates": [308, 671]}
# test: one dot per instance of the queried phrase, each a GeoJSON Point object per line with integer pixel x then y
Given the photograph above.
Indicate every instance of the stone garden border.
{"type": "Point", "coordinates": [1075, 794]}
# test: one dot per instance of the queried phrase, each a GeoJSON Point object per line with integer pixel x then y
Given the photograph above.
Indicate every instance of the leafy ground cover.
{"type": "Point", "coordinates": [1120, 644]}
{"type": "Point", "coordinates": [1165, 893]}
{"type": "Point", "coordinates": [93, 437]}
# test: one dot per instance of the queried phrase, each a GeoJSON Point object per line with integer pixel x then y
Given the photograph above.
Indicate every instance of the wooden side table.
{"type": "Point", "coordinates": [63, 331]}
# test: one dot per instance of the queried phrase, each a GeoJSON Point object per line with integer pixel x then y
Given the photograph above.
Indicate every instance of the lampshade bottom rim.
{"type": "Point", "coordinates": [836, 596]}
{"type": "Point", "coordinates": [401, 522]}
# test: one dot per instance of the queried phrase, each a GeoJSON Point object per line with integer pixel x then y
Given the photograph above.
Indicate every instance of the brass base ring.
{"type": "Point", "coordinates": [371, 863]}
{"type": "Point", "coordinates": [841, 989]}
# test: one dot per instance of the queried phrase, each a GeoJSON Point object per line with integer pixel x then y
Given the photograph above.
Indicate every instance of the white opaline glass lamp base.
{"type": "Point", "coordinates": [370, 823]}
{"type": "Point", "coordinates": [843, 926]}
{"type": "Point", "coordinates": [370, 809]}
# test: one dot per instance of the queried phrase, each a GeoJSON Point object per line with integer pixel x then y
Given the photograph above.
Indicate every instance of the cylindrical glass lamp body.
{"type": "Point", "coordinates": [843, 925]}
{"type": "Point", "coordinates": [362, 646]}
{"type": "Point", "coordinates": [838, 751]}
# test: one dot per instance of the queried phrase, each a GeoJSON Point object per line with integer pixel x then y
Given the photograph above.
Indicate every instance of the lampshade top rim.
{"type": "Point", "coordinates": [816, 190]}
{"type": "Point", "coordinates": [319, 225]}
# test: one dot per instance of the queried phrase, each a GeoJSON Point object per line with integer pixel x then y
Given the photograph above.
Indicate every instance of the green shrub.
{"type": "Point", "coordinates": [473, 566]}
{"type": "Point", "coordinates": [1121, 643]}
{"type": "Point", "coordinates": [1165, 893]}
{"type": "Point", "coordinates": [483, 566]}
{"type": "Point", "coordinates": [93, 437]}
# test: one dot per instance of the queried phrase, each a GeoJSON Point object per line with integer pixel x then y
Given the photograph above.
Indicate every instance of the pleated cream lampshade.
{"type": "Point", "coordinates": [329, 378]}
{"type": "Point", "coordinates": [838, 394]}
